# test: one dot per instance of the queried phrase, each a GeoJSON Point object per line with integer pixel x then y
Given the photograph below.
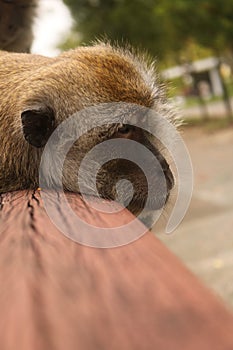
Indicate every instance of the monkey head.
{"type": "Point", "coordinates": [97, 80]}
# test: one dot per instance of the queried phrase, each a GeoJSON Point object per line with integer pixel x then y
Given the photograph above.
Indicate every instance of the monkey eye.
{"type": "Point", "coordinates": [124, 129]}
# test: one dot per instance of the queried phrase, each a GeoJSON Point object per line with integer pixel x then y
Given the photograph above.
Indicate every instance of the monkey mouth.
{"type": "Point", "coordinates": [139, 196]}
{"type": "Point", "coordinates": [156, 200]}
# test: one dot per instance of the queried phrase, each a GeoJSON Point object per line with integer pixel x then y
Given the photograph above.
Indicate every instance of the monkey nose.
{"type": "Point", "coordinates": [169, 178]}
{"type": "Point", "coordinates": [167, 172]}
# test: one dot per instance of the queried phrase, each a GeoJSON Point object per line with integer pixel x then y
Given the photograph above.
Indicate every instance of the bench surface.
{"type": "Point", "coordinates": [58, 294]}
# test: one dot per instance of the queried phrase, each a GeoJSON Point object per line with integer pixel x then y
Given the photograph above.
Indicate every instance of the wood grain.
{"type": "Point", "coordinates": [56, 294]}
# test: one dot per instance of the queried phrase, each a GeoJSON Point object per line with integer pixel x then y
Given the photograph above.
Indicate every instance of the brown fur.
{"type": "Point", "coordinates": [75, 79]}
{"type": "Point", "coordinates": [16, 18]}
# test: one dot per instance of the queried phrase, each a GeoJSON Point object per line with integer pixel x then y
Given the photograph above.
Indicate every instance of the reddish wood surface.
{"type": "Point", "coordinates": [57, 294]}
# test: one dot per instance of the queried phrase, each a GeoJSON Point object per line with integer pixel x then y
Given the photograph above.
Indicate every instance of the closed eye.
{"type": "Point", "coordinates": [125, 129]}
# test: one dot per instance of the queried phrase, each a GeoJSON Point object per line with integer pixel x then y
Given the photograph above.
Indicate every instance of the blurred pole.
{"type": "Point", "coordinates": [226, 97]}
{"type": "Point", "coordinates": [203, 107]}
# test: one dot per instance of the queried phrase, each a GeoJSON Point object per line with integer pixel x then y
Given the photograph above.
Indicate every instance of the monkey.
{"type": "Point", "coordinates": [16, 20]}
{"type": "Point", "coordinates": [38, 93]}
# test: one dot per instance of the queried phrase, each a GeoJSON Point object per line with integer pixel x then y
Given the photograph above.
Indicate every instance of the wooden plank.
{"type": "Point", "coordinates": [57, 294]}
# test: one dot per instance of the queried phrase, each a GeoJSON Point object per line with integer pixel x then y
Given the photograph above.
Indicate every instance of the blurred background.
{"type": "Point", "coordinates": [192, 42]}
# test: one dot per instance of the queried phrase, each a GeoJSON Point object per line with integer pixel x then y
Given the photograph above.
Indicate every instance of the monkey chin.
{"type": "Point", "coordinates": [149, 214]}
{"type": "Point", "coordinates": [139, 204]}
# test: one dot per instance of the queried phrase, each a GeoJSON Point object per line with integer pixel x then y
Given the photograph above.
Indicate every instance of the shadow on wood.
{"type": "Point", "coordinates": [57, 294]}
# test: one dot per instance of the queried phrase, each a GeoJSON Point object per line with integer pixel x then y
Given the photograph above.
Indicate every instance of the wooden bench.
{"type": "Point", "coordinates": [56, 294]}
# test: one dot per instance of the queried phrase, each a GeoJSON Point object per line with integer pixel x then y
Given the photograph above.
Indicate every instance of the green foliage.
{"type": "Point", "coordinates": [209, 22]}
{"type": "Point", "coordinates": [168, 29]}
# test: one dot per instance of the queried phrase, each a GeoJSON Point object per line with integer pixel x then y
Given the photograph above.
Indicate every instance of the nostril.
{"type": "Point", "coordinates": [164, 165]}
{"type": "Point", "coordinates": [167, 171]}
{"type": "Point", "coordinates": [169, 179]}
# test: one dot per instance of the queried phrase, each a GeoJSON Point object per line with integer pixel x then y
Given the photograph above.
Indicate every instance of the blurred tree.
{"type": "Point", "coordinates": [136, 22]}
{"type": "Point", "coordinates": [168, 29]}
{"type": "Point", "coordinates": [209, 22]}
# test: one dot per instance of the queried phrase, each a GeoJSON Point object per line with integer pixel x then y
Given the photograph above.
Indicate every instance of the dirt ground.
{"type": "Point", "coordinates": [204, 240]}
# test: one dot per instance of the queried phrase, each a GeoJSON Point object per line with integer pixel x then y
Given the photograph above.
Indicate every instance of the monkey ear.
{"type": "Point", "coordinates": [38, 125]}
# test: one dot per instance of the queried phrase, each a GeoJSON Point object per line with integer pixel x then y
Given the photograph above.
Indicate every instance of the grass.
{"type": "Point", "coordinates": [208, 124]}
{"type": "Point", "coordinates": [193, 101]}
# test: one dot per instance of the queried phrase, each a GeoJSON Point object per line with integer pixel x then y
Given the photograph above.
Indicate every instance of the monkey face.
{"type": "Point", "coordinates": [134, 190]}
{"type": "Point", "coordinates": [105, 169]}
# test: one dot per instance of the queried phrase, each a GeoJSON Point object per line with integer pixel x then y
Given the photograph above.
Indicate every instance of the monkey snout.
{"type": "Point", "coordinates": [169, 179]}
{"type": "Point", "coordinates": [166, 171]}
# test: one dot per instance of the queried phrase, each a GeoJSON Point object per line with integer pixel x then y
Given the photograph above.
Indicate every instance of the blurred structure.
{"type": "Point", "coordinates": [16, 19]}
{"type": "Point", "coordinates": [202, 79]}
{"type": "Point", "coordinates": [205, 70]}
{"type": "Point", "coordinates": [23, 22]}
